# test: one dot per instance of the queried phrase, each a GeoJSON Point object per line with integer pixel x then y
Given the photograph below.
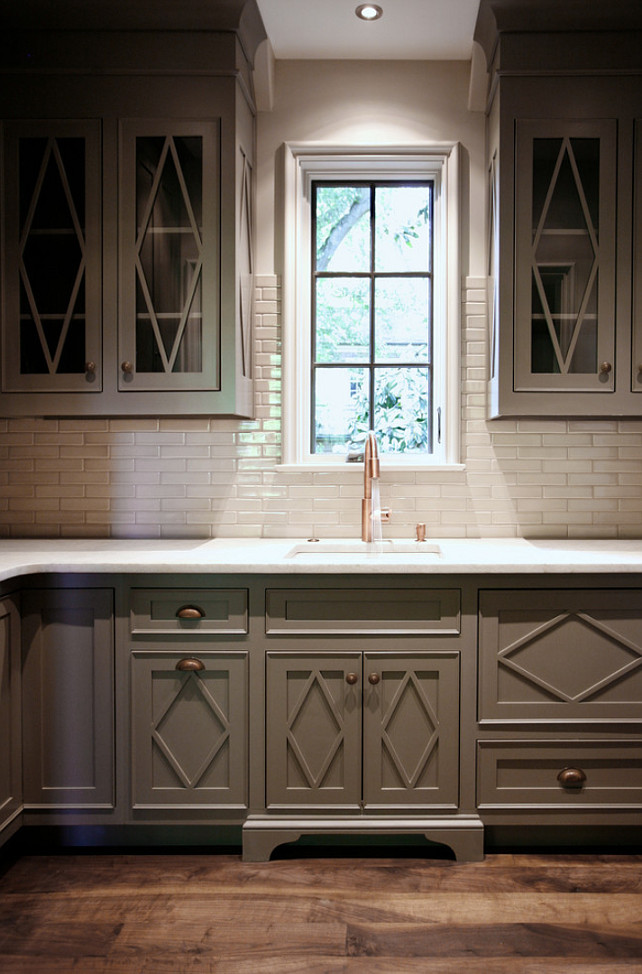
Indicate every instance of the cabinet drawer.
{"type": "Point", "coordinates": [569, 655]}
{"type": "Point", "coordinates": [526, 773]}
{"type": "Point", "coordinates": [184, 611]}
{"type": "Point", "coordinates": [363, 611]}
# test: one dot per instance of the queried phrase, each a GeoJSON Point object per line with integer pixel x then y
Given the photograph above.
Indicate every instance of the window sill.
{"type": "Point", "coordinates": [387, 466]}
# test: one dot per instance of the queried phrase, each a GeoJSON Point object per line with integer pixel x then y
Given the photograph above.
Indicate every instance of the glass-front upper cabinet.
{"type": "Point", "coordinates": [565, 209]}
{"type": "Point", "coordinates": [51, 307]}
{"type": "Point", "coordinates": [169, 331]}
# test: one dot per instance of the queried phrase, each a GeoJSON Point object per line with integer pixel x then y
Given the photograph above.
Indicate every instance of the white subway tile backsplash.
{"type": "Point", "coordinates": [205, 477]}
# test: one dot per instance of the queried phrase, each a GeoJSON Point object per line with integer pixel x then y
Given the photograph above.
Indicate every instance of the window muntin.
{"type": "Point", "coordinates": [372, 315]}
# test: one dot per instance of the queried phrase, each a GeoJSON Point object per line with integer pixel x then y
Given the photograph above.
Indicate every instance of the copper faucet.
{"type": "Point", "coordinates": [371, 470]}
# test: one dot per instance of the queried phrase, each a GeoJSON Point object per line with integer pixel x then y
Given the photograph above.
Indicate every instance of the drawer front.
{"type": "Point", "coordinates": [575, 774]}
{"type": "Point", "coordinates": [184, 611]}
{"type": "Point", "coordinates": [569, 655]}
{"type": "Point", "coordinates": [338, 611]}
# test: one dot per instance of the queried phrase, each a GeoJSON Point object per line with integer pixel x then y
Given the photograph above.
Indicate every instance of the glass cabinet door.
{"type": "Point", "coordinates": [636, 378]}
{"type": "Point", "coordinates": [169, 256]}
{"type": "Point", "coordinates": [565, 194]}
{"type": "Point", "coordinates": [51, 310]}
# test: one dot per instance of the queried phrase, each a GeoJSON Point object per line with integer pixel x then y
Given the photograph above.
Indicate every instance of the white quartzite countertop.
{"type": "Point", "coordinates": [225, 556]}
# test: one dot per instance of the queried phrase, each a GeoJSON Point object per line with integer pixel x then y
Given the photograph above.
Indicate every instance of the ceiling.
{"type": "Point", "coordinates": [408, 30]}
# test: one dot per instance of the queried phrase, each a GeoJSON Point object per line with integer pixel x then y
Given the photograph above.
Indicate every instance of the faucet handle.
{"type": "Point", "coordinates": [421, 532]}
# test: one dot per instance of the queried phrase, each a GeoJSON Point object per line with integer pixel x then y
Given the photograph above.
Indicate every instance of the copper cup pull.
{"type": "Point", "coordinates": [352, 678]}
{"type": "Point", "coordinates": [190, 665]}
{"type": "Point", "coordinates": [127, 367]}
{"type": "Point", "coordinates": [374, 678]}
{"type": "Point", "coordinates": [571, 777]}
{"type": "Point", "coordinates": [190, 612]}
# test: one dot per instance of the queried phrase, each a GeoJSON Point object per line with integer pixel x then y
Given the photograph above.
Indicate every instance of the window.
{"type": "Point", "coordinates": [371, 316]}
{"type": "Point", "coordinates": [371, 295]}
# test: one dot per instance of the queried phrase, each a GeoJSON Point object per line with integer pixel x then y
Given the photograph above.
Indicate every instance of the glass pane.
{"type": "Point", "coordinates": [170, 203]}
{"type": "Point", "coordinates": [169, 261]}
{"type": "Point", "coordinates": [63, 159]}
{"type": "Point", "coordinates": [565, 209]}
{"type": "Point", "coordinates": [402, 228]}
{"type": "Point", "coordinates": [402, 399]}
{"type": "Point", "coordinates": [342, 228]}
{"type": "Point", "coordinates": [342, 320]}
{"type": "Point", "coordinates": [402, 319]}
{"type": "Point", "coordinates": [51, 264]}
{"type": "Point", "coordinates": [341, 409]}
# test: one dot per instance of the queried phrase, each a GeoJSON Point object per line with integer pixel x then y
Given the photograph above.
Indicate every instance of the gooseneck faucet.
{"type": "Point", "coordinates": [370, 470]}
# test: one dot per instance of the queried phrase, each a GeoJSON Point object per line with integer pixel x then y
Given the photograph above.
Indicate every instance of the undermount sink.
{"type": "Point", "coordinates": [375, 549]}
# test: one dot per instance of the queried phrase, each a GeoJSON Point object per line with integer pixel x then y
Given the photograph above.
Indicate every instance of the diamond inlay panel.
{"type": "Point", "coordinates": [574, 654]}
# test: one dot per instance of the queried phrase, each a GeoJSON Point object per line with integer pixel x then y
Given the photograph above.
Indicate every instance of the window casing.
{"type": "Point", "coordinates": [305, 166]}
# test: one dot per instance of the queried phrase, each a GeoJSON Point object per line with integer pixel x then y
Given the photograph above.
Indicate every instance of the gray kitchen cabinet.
{"type": "Point", "coordinates": [10, 721]}
{"type": "Point", "coordinates": [560, 161]}
{"type": "Point", "coordinates": [120, 189]}
{"type": "Point", "coordinates": [560, 705]}
{"type": "Point", "coordinates": [68, 698]}
{"type": "Point", "coordinates": [362, 730]}
{"type": "Point", "coordinates": [189, 728]}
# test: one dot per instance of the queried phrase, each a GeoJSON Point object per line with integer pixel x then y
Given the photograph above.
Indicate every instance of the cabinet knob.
{"type": "Point", "coordinates": [190, 612]}
{"type": "Point", "coordinates": [190, 665]}
{"type": "Point", "coordinates": [374, 678]}
{"type": "Point", "coordinates": [90, 368]}
{"type": "Point", "coordinates": [605, 368]}
{"type": "Point", "coordinates": [127, 367]}
{"type": "Point", "coordinates": [571, 777]}
{"type": "Point", "coordinates": [352, 678]}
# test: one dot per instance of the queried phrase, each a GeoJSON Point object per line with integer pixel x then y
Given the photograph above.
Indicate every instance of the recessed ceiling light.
{"type": "Point", "coordinates": [369, 11]}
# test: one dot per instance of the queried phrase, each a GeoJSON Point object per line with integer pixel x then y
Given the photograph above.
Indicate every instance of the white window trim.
{"type": "Point", "coordinates": [305, 162]}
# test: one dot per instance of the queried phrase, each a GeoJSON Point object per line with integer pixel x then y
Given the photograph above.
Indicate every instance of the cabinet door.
{"type": "Point", "coordinates": [313, 730]}
{"type": "Point", "coordinates": [411, 730]}
{"type": "Point", "coordinates": [51, 309]}
{"type": "Point", "coordinates": [10, 748]}
{"type": "Point", "coordinates": [636, 378]}
{"type": "Point", "coordinates": [565, 197]}
{"type": "Point", "coordinates": [68, 697]}
{"type": "Point", "coordinates": [169, 256]}
{"type": "Point", "coordinates": [189, 729]}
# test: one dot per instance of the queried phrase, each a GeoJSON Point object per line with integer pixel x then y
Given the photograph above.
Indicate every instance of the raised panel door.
{"type": "Point", "coordinates": [411, 730]}
{"type": "Point", "coordinates": [68, 697]}
{"type": "Point", "coordinates": [10, 747]}
{"type": "Point", "coordinates": [189, 729]}
{"type": "Point", "coordinates": [313, 730]}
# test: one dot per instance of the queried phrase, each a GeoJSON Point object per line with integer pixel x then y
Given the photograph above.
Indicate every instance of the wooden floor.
{"type": "Point", "coordinates": [167, 912]}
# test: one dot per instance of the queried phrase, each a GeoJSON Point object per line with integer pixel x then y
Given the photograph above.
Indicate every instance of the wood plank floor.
{"type": "Point", "coordinates": [178, 913]}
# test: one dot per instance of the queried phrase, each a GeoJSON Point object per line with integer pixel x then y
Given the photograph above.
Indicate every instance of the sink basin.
{"type": "Point", "coordinates": [374, 549]}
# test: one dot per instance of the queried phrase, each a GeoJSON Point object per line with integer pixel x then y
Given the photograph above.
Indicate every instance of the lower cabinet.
{"type": "Point", "coordinates": [189, 728]}
{"type": "Point", "coordinates": [68, 698]}
{"type": "Point", "coordinates": [560, 707]}
{"type": "Point", "coordinates": [10, 743]}
{"type": "Point", "coordinates": [367, 730]}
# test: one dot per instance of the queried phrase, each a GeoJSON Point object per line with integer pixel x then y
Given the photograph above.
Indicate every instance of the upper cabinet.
{"type": "Point", "coordinates": [564, 238]}
{"type": "Point", "coordinates": [127, 164]}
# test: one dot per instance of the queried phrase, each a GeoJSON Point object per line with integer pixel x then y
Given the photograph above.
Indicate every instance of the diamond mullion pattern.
{"type": "Point", "coordinates": [52, 152]}
{"type": "Point", "coordinates": [168, 150]}
{"type": "Point", "coordinates": [566, 151]}
{"type": "Point", "coordinates": [315, 780]}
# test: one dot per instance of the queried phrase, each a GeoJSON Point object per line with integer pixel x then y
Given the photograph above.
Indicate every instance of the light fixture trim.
{"type": "Point", "coordinates": [369, 11]}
